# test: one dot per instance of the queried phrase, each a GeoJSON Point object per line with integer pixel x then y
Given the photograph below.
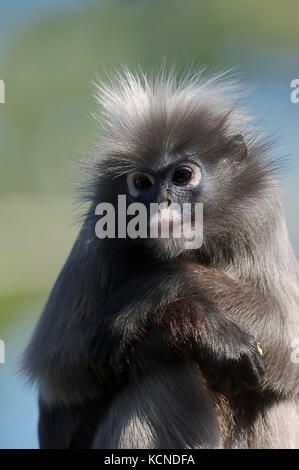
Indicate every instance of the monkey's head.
{"type": "Point", "coordinates": [171, 144]}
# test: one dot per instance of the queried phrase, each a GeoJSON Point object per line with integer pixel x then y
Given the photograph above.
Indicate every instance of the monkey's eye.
{"type": "Point", "coordinates": [139, 182]}
{"type": "Point", "coordinates": [142, 182]}
{"type": "Point", "coordinates": [187, 176]}
{"type": "Point", "coordinates": [182, 175]}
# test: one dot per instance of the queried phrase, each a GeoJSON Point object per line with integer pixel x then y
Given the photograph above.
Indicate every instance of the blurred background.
{"type": "Point", "coordinates": [50, 51]}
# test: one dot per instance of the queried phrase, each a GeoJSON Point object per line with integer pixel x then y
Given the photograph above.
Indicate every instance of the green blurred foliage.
{"type": "Point", "coordinates": [48, 67]}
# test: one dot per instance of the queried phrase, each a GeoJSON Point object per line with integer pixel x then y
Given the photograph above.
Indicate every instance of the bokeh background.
{"type": "Point", "coordinates": [50, 51]}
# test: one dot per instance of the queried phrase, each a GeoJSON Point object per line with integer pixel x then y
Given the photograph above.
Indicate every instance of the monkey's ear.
{"type": "Point", "coordinates": [236, 147]}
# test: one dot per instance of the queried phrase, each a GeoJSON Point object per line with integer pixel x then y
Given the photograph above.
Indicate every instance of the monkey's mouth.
{"type": "Point", "coordinates": [171, 221]}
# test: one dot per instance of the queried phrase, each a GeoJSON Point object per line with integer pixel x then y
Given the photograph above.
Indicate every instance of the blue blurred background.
{"type": "Point", "coordinates": [50, 50]}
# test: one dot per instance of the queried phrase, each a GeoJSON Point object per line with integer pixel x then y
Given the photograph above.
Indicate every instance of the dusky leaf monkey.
{"type": "Point", "coordinates": [146, 344]}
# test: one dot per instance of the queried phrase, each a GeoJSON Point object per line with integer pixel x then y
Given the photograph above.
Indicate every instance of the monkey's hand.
{"type": "Point", "coordinates": [231, 359]}
{"type": "Point", "coordinates": [226, 352]}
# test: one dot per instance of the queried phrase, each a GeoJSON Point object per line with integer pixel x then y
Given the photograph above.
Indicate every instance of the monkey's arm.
{"type": "Point", "coordinates": [56, 357]}
{"type": "Point", "coordinates": [181, 303]}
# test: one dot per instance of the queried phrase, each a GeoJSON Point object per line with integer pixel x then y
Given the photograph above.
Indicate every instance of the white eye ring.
{"type": "Point", "coordinates": [139, 182]}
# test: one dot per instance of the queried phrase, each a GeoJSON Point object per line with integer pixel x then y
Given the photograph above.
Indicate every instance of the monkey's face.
{"type": "Point", "coordinates": [169, 193]}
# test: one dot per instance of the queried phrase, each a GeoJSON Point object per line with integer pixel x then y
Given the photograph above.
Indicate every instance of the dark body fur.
{"type": "Point", "coordinates": [145, 345]}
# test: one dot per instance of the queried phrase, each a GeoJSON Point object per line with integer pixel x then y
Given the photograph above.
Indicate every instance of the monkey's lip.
{"type": "Point", "coordinates": [171, 218]}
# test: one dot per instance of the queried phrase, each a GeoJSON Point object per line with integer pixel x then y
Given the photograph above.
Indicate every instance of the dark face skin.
{"type": "Point", "coordinates": [176, 181]}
